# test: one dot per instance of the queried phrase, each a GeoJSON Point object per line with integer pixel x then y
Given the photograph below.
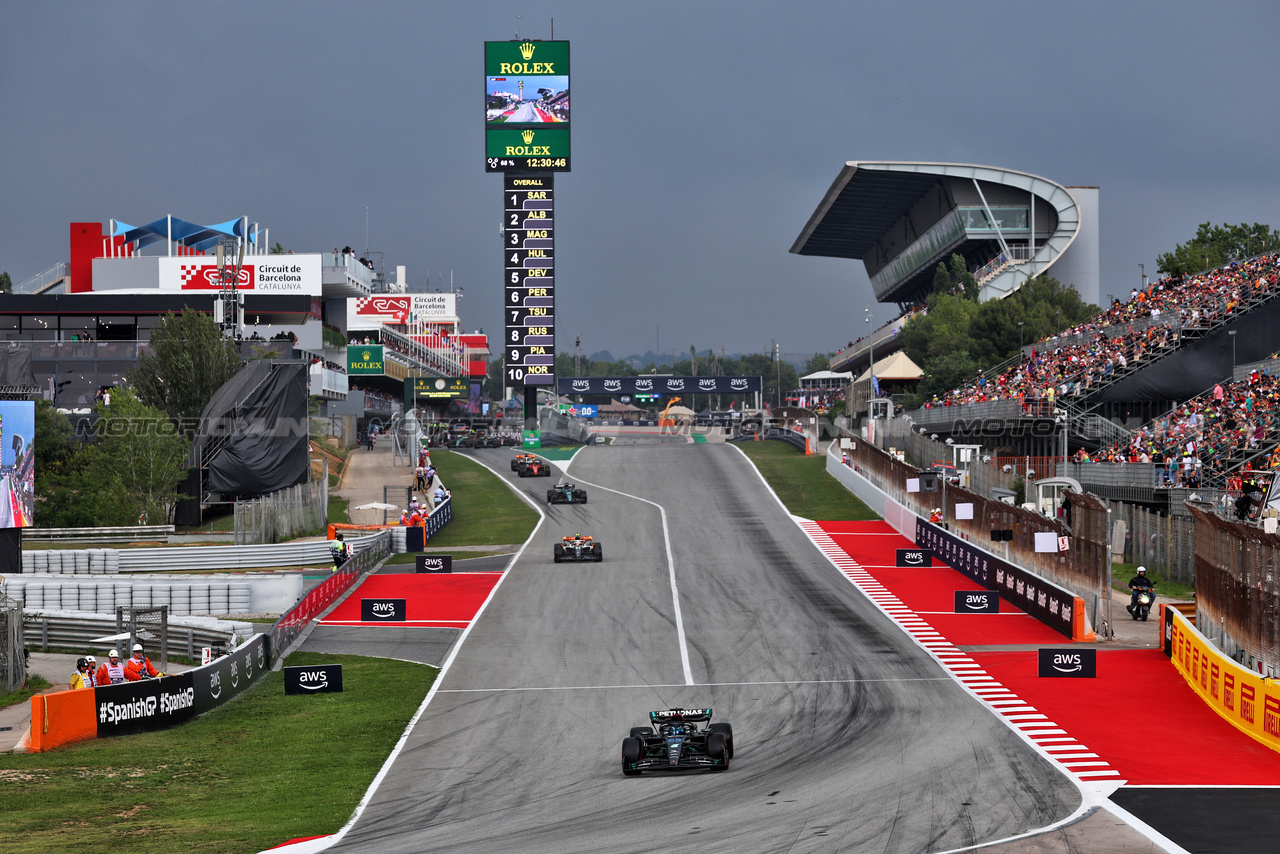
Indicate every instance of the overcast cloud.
{"type": "Point", "coordinates": [704, 135]}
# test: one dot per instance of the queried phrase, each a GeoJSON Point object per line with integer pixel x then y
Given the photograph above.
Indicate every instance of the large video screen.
{"type": "Point", "coordinates": [17, 463]}
{"type": "Point", "coordinates": [526, 106]}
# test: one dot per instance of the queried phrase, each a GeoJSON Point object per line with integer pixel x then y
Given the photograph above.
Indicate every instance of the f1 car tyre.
{"type": "Point", "coordinates": [551, 496]}
{"type": "Point", "coordinates": [597, 551]}
{"type": "Point", "coordinates": [631, 749]}
{"type": "Point", "coordinates": [514, 466]}
{"type": "Point", "coordinates": [637, 731]}
{"type": "Point", "coordinates": [544, 471]}
{"type": "Point", "coordinates": [557, 552]}
{"type": "Point", "coordinates": [580, 496]}
{"type": "Point", "coordinates": [727, 729]}
{"type": "Point", "coordinates": [716, 749]}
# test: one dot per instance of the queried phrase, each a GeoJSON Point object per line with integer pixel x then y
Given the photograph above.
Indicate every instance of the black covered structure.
{"type": "Point", "coordinates": [252, 437]}
{"type": "Point", "coordinates": [16, 379]}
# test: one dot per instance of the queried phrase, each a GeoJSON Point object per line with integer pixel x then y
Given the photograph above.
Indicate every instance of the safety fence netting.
{"type": "Point", "coordinates": [1237, 591]}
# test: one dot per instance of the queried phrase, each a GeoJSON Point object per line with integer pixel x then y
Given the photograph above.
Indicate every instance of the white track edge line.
{"type": "Point", "coordinates": [324, 843]}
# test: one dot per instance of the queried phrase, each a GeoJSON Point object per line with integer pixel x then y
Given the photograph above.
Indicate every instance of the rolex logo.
{"type": "Point", "coordinates": [527, 136]}
{"type": "Point", "coordinates": [367, 355]}
{"type": "Point", "coordinates": [526, 50]}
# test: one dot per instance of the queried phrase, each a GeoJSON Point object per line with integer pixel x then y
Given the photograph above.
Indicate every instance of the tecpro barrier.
{"type": "Point", "coordinates": [1246, 700]}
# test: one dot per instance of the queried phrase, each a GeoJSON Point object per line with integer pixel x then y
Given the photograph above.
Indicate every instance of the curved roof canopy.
{"type": "Point", "coordinates": [870, 199]}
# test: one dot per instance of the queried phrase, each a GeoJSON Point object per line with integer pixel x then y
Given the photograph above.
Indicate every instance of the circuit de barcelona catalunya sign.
{"type": "Point", "coordinates": [657, 385]}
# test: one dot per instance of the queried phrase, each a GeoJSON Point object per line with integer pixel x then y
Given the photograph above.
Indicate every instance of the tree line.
{"type": "Point", "coordinates": [957, 336]}
{"type": "Point", "coordinates": [128, 458]}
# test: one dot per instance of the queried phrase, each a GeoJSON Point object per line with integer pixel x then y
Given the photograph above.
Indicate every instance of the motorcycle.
{"type": "Point", "coordinates": [1146, 596]}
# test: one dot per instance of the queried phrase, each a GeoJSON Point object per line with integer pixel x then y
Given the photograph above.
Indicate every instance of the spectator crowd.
{"type": "Point", "coordinates": [1057, 369]}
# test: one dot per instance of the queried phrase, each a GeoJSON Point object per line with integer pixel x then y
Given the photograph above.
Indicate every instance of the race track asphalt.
{"type": "Point", "coordinates": [848, 737]}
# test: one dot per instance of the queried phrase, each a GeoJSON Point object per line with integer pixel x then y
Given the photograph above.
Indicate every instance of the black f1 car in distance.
{"type": "Point", "coordinates": [566, 493]}
{"type": "Point", "coordinates": [674, 742]}
{"type": "Point", "coordinates": [531, 466]}
{"type": "Point", "coordinates": [577, 547]}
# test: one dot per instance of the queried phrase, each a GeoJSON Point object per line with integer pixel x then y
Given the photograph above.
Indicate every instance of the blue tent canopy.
{"type": "Point", "coordinates": [189, 234]}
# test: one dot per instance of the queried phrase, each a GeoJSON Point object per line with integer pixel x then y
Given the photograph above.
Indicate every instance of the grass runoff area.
{"type": "Point", "coordinates": [485, 510]}
{"type": "Point", "coordinates": [35, 684]}
{"type": "Point", "coordinates": [803, 484]}
{"type": "Point", "coordinates": [249, 775]}
{"type": "Point", "coordinates": [1121, 573]}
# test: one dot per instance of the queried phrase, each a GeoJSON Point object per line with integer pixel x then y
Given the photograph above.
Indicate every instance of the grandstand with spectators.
{"type": "Point", "coordinates": [902, 219]}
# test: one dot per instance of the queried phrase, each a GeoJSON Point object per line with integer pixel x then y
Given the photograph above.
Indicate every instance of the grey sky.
{"type": "Point", "coordinates": [704, 134]}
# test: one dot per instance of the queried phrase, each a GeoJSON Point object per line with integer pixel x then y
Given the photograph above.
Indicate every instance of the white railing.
{"type": "Point", "coordinates": [41, 279]}
{"type": "Point", "coordinates": [325, 380]}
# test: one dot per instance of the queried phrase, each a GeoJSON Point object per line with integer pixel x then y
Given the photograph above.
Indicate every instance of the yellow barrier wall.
{"type": "Point", "coordinates": [1246, 700]}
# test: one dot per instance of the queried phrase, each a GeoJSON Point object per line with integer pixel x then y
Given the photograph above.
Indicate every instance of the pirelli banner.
{"type": "Point", "coordinates": [658, 385]}
{"type": "Point", "coordinates": [1059, 609]}
{"type": "Point", "coordinates": [1243, 698]}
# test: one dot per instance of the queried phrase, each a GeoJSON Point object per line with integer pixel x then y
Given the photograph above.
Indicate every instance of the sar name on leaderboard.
{"type": "Point", "coordinates": [529, 260]}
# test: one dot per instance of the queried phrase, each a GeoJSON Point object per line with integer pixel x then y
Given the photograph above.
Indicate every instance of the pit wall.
{"type": "Point", "coordinates": [1056, 607]}
{"type": "Point", "coordinates": [1244, 699]}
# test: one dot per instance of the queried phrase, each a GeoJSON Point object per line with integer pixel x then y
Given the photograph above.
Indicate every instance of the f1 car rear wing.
{"type": "Point", "coordinates": [683, 715]}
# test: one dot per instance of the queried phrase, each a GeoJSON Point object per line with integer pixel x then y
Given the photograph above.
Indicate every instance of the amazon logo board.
{"type": "Point", "coordinates": [226, 677]}
{"type": "Point", "coordinates": [1048, 603]}
{"type": "Point", "coordinates": [915, 557]}
{"type": "Point", "coordinates": [383, 610]}
{"type": "Point", "coordinates": [433, 563]}
{"type": "Point", "coordinates": [313, 679]}
{"type": "Point", "coordinates": [1068, 663]}
{"type": "Point", "coordinates": [977, 602]}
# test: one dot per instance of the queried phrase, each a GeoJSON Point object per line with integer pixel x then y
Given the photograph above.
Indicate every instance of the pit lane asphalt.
{"type": "Point", "coordinates": [848, 737]}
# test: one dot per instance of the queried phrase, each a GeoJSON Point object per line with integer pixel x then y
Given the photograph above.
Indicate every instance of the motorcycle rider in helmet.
{"type": "Point", "coordinates": [1139, 583]}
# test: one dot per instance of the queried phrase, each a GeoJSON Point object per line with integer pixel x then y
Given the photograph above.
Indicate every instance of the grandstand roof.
{"type": "Point", "coordinates": [901, 218]}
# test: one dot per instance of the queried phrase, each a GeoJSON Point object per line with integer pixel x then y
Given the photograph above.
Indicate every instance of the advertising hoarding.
{"type": "Point", "coordinates": [643, 386]}
{"type": "Point", "coordinates": [261, 274]}
{"type": "Point", "coordinates": [17, 463]}
{"type": "Point", "coordinates": [526, 105]}
{"type": "Point", "coordinates": [403, 309]}
{"type": "Point", "coordinates": [437, 388]}
{"type": "Point", "coordinates": [365, 359]}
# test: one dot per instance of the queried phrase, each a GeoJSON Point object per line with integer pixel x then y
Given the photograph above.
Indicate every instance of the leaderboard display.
{"type": "Point", "coordinates": [526, 106]}
{"type": "Point", "coordinates": [529, 304]}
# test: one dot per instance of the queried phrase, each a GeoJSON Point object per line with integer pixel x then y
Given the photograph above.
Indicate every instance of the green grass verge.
{"type": "Point", "coordinates": [803, 484]}
{"type": "Point", "coordinates": [1122, 572]}
{"type": "Point", "coordinates": [338, 510]}
{"type": "Point", "coordinates": [35, 684]}
{"type": "Point", "coordinates": [260, 770]}
{"type": "Point", "coordinates": [485, 510]}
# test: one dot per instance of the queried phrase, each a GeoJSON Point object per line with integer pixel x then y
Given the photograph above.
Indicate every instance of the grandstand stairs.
{"type": "Point", "coordinates": [1203, 356]}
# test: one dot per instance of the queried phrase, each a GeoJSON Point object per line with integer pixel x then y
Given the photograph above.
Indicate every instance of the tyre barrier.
{"type": "Point", "coordinates": [263, 594]}
{"type": "Point", "coordinates": [183, 558]}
